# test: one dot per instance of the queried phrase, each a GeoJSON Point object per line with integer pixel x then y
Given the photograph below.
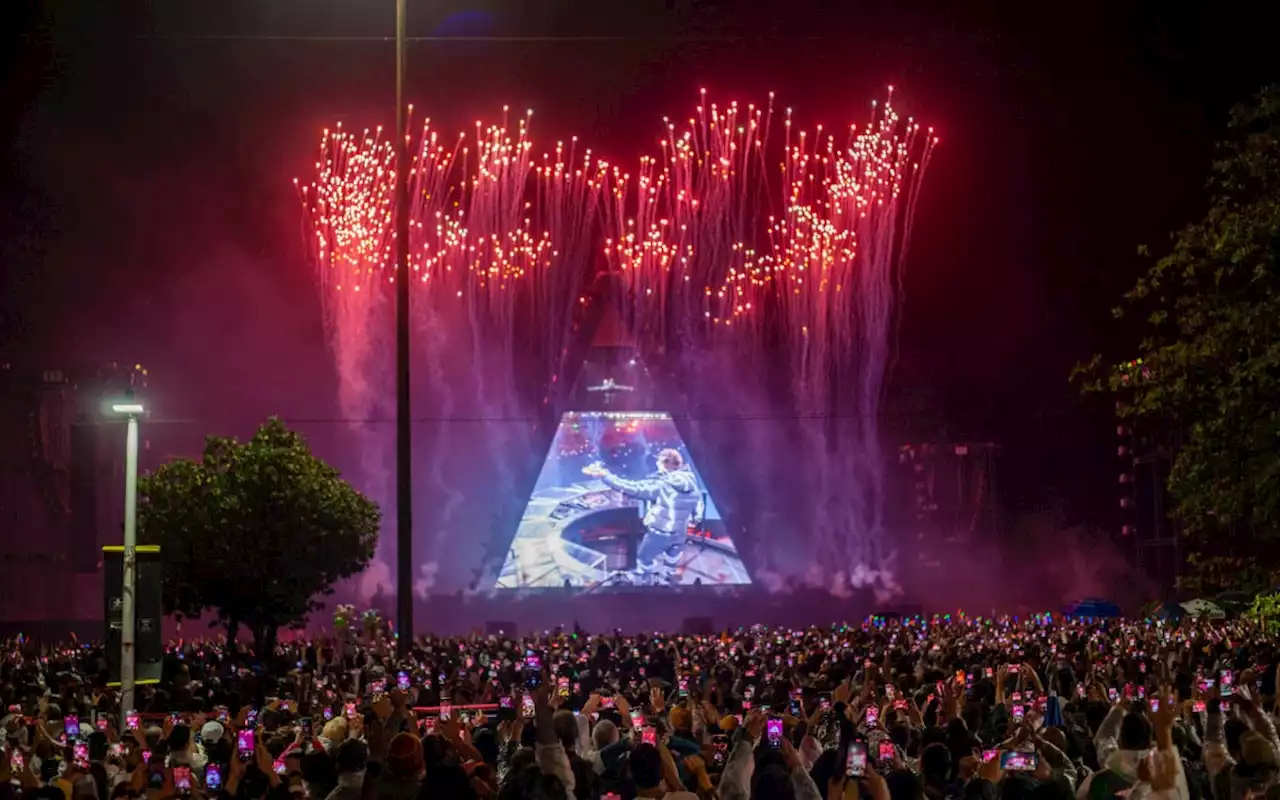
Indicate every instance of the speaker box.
{"type": "Point", "coordinates": [148, 640]}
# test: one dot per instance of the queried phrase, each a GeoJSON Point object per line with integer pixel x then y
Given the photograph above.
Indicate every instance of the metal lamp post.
{"type": "Point", "coordinates": [404, 433]}
{"type": "Point", "coordinates": [131, 410]}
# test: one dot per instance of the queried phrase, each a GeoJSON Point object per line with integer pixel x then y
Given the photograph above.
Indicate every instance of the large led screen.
{"type": "Point", "coordinates": [619, 502]}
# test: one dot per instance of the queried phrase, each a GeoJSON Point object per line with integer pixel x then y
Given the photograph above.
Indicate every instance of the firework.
{"type": "Point", "coordinates": [499, 235]}
{"type": "Point", "coordinates": [718, 262]}
{"type": "Point", "coordinates": [728, 244]}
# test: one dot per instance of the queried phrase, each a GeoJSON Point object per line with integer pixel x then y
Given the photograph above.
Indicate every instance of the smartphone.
{"type": "Point", "coordinates": [1226, 681]}
{"type": "Point", "coordinates": [606, 701]}
{"type": "Point", "coordinates": [245, 744]}
{"type": "Point", "coordinates": [131, 720]}
{"type": "Point", "coordinates": [562, 685]}
{"type": "Point", "coordinates": [1155, 704]}
{"type": "Point", "coordinates": [888, 752]}
{"type": "Point", "coordinates": [1198, 706]}
{"type": "Point", "coordinates": [1013, 669]}
{"type": "Point", "coordinates": [1015, 761]}
{"type": "Point", "coordinates": [251, 718]}
{"type": "Point", "coordinates": [279, 767]}
{"type": "Point", "coordinates": [720, 750]}
{"type": "Point", "coordinates": [71, 724]}
{"type": "Point", "coordinates": [855, 760]}
{"type": "Point", "coordinates": [402, 681]}
{"type": "Point", "coordinates": [988, 755]}
{"type": "Point", "coordinates": [526, 706]}
{"type": "Point", "coordinates": [532, 671]}
{"type": "Point", "coordinates": [80, 755]}
{"type": "Point", "coordinates": [649, 736]}
{"type": "Point", "coordinates": [504, 702]}
{"type": "Point", "coordinates": [16, 762]}
{"type": "Point", "coordinates": [773, 733]}
{"type": "Point", "coordinates": [683, 684]}
{"type": "Point", "coordinates": [1018, 712]}
{"type": "Point", "coordinates": [182, 780]}
{"type": "Point", "coordinates": [873, 716]}
{"type": "Point", "coordinates": [350, 710]}
{"type": "Point", "coordinates": [637, 718]}
{"type": "Point", "coordinates": [101, 722]}
{"type": "Point", "coordinates": [1112, 694]}
{"type": "Point", "coordinates": [213, 777]}
{"type": "Point", "coordinates": [116, 749]}
{"type": "Point", "coordinates": [446, 711]}
{"type": "Point", "coordinates": [328, 713]}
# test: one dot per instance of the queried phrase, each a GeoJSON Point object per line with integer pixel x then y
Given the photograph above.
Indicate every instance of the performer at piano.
{"type": "Point", "coordinates": [674, 502]}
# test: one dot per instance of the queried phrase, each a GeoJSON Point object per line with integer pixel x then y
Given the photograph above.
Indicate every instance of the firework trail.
{"type": "Point", "coordinates": [820, 289]}
{"type": "Point", "coordinates": [499, 240]}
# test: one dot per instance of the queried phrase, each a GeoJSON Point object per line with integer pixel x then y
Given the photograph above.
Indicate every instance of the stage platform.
{"type": "Point", "coordinates": [639, 609]}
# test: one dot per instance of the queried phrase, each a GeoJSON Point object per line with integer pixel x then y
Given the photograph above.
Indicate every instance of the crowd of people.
{"type": "Point", "coordinates": [901, 709]}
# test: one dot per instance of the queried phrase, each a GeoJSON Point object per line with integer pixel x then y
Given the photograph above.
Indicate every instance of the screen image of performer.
{"type": "Point", "coordinates": [673, 502]}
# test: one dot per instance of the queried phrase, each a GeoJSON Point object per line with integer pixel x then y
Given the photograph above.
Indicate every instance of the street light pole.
{"type": "Point", "coordinates": [128, 651]}
{"type": "Point", "coordinates": [404, 433]}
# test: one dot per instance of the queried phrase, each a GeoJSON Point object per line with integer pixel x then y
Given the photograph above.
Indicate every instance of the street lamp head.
{"type": "Point", "coordinates": [130, 407]}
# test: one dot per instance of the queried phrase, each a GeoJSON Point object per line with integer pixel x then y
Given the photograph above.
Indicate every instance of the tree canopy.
{"type": "Point", "coordinates": [255, 531]}
{"type": "Point", "coordinates": [1209, 367]}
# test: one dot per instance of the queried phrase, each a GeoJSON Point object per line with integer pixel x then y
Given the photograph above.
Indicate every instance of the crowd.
{"type": "Point", "coordinates": [903, 709]}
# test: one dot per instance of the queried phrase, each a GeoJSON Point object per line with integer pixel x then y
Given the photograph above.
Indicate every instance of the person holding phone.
{"type": "Point", "coordinates": [183, 750]}
{"type": "Point", "coordinates": [737, 778]}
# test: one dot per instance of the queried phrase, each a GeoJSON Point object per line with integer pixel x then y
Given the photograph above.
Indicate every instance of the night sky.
{"type": "Point", "coordinates": [148, 212]}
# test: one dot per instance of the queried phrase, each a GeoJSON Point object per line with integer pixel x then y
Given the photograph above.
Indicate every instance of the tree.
{"type": "Point", "coordinates": [1209, 367]}
{"type": "Point", "coordinates": [255, 531]}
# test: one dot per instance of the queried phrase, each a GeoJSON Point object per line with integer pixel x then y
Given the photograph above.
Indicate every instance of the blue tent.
{"type": "Point", "coordinates": [1092, 607]}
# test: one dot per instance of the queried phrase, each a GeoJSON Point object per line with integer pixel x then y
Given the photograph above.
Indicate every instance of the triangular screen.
{"type": "Point", "coordinates": [581, 529]}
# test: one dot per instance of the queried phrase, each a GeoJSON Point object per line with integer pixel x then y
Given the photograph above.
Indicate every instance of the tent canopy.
{"type": "Point", "coordinates": [1204, 608]}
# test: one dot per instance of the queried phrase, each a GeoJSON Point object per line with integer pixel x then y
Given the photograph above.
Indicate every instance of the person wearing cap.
{"type": "Point", "coordinates": [211, 733]}
{"type": "Point", "coordinates": [403, 768]}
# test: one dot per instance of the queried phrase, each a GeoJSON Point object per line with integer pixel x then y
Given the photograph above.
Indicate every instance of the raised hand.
{"type": "Point", "coordinates": [990, 770]}
{"type": "Point", "coordinates": [657, 701]}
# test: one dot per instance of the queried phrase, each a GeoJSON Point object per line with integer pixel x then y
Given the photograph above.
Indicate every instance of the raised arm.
{"type": "Point", "coordinates": [641, 490]}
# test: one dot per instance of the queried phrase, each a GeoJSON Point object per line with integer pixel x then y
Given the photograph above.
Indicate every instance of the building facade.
{"type": "Point", "coordinates": [61, 495]}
